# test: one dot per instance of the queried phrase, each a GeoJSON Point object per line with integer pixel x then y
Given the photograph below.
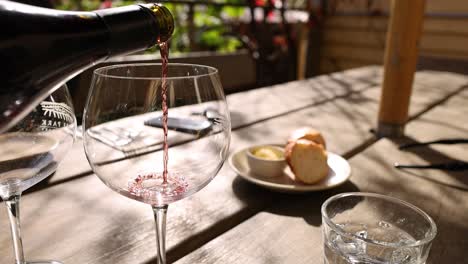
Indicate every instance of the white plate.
{"type": "Point", "coordinates": [339, 173]}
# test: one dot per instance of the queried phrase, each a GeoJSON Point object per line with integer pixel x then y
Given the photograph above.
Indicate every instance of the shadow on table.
{"type": "Point", "coordinates": [237, 118]}
{"type": "Point", "coordinates": [250, 193]}
{"type": "Point", "coordinates": [447, 206]}
{"type": "Point", "coordinates": [305, 205]}
{"type": "Point", "coordinates": [432, 156]}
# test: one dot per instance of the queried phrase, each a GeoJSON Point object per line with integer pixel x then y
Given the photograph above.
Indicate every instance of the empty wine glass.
{"type": "Point", "coordinates": [124, 133]}
{"type": "Point", "coordinates": [31, 151]}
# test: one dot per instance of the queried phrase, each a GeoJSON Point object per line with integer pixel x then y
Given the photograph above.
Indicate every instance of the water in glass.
{"type": "Point", "coordinates": [342, 250]}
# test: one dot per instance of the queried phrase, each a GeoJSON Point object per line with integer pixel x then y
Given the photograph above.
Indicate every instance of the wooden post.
{"type": "Point", "coordinates": [303, 43]}
{"type": "Point", "coordinates": [401, 54]}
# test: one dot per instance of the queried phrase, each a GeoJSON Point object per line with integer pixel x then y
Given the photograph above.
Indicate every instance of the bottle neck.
{"type": "Point", "coordinates": [130, 29]}
{"type": "Point", "coordinates": [136, 27]}
{"type": "Point", "coordinates": [43, 48]}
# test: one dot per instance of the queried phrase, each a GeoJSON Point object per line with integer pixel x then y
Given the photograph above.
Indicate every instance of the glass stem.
{"type": "Point", "coordinates": [12, 204]}
{"type": "Point", "coordinates": [160, 213]}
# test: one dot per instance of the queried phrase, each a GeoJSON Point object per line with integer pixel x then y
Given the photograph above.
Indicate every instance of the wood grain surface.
{"type": "Point", "coordinates": [255, 106]}
{"type": "Point", "coordinates": [289, 231]}
{"type": "Point", "coordinates": [354, 31]}
{"type": "Point", "coordinates": [77, 219]}
{"type": "Point", "coordinates": [109, 223]}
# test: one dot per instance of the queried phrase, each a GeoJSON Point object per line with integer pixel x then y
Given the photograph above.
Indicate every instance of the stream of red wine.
{"type": "Point", "coordinates": [156, 187]}
{"type": "Point", "coordinates": [164, 50]}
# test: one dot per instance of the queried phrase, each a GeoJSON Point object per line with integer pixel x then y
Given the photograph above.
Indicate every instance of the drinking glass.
{"type": "Point", "coordinates": [375, 229]}
{"type": "Point", "coordinates": [124, 133]}
{"type": "Point", "coordinates": [31, 151]}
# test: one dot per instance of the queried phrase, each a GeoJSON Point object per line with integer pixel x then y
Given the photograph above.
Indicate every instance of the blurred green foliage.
{"type": "Point", "coordinates": [208, 31]}
{"type": "Point", "coordinates": [84, 5]}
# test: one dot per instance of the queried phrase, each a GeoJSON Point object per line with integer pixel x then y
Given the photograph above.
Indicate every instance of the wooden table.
{"type": "Point", "coordinates": [77, 219]}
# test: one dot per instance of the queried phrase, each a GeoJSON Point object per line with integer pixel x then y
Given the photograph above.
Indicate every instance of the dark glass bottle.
{"type": "Point", "coordinates": [42, 48]}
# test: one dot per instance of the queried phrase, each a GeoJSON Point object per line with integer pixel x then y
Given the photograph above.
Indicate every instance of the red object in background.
{"type": "Point", "coordinates": [280, 41]}
{"type": "Point", "coordinates": [270, 12]}
{"type": "Point", "coordinates": [106, 4]}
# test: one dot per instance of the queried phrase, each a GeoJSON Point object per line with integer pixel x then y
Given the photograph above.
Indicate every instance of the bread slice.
{"type": "Point", "coordinates": [307, 160]}
{"type": "Point", "coordinates": [308, 133]}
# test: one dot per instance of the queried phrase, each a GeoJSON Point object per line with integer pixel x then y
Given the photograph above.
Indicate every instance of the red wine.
{"type": "Point", "coordinates": [155, 189]}
{"type": "Point", "coordinates": [40, 48]}
{"type": "Point", "coordinates": [164, 50]}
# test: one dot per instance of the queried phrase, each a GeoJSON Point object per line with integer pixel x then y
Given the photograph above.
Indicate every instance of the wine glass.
{"type": "Point", "coordinates": [31, 151]}
{"type": "Point", "coordinates": [125, 133]}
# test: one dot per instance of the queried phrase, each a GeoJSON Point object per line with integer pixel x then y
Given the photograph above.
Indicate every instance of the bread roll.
{"type": "Point", "coordinates": [308, 133]}
{"type": "Point", "coordinates": [307, 160]}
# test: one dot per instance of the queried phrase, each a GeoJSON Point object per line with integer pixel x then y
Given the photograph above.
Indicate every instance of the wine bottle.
{"type": "Point", "coordinates": [40, 48]}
